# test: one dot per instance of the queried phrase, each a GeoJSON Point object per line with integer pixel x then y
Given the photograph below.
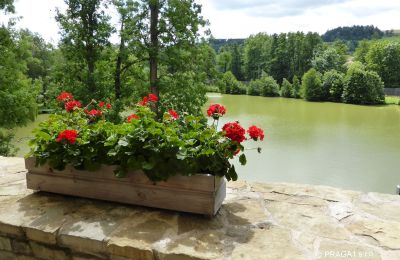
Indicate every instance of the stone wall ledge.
{"type": "Point", "coordinates": [257, 221]}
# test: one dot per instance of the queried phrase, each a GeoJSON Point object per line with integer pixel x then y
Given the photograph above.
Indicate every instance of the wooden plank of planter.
{"type": "Point", "coordinates": [201, 194]}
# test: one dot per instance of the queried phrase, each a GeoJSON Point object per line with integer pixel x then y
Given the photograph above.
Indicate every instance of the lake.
{"type": "Point", "coordinates": [346, 146]}
{"type": "Point", "coordinates": [341, 145]}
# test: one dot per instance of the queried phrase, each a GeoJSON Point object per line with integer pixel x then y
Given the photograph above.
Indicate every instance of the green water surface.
{"type": "Point", "coordinates": [347, 146]}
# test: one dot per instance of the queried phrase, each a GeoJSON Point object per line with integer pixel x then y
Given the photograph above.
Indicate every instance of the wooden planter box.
{"type": "Point", "coordinates": [202, 194]}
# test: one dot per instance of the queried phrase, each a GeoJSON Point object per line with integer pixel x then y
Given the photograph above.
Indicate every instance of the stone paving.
{"type": "Point", "coordinates": [257, 221]}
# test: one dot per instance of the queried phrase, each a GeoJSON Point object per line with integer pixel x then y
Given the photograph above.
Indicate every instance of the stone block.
{"type": "Point", "coordinates": [47, 253]}
{"type": "Point", "coordinates": [5, 244]}
{"type": "Point", "coordinates": [21, 247]}
{"type": "Point", "coordinates": [5, 255]}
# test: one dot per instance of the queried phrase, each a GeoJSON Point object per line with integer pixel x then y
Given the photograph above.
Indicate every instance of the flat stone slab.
{"type": "Point", "coordinates": [256, 221]}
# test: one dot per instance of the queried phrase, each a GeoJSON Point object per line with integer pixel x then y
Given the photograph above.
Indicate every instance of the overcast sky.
{"type": "Point", "coordinates": [240, 18]}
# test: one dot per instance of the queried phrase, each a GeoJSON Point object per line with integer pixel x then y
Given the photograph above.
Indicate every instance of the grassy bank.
{"type": "Point", "coordinates": [392, 100]}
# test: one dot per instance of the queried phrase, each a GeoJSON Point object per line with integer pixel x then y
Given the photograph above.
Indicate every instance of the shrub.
{"type": "Point", "coordinates": [6, 148]}
{"type": "Point", "coordinates": [312, 88]}
{"type": "Point", "coordinates": [213, 88]}
{"type": "Point", "coordinates": [363, 87]}
{"type": "Point", "coordinates": [286, 89]}
{"type": "Point", "coordinates": [270, 87]}
{"type": "Point", "coordinates": [228, 83]}
{"type": "Point", "coordinates": [333, 81]}
{"type": "Point", "coordinates": [255, 88]}
{"type": "Point", "coordinates": [296, 86]}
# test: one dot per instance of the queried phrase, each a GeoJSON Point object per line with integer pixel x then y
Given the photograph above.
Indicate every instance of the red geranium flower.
{"type": "Point", "coordinates": [153, 98]}
{"type": "Point", "coordinates": [131, 117]}
{"type": "Point", "coordinates": [173, 114]}
{"type": "Point", "coordinates": [64, 96]}
{"type": "Point", "coordinates": [216, 111]}
{"type": "Point", "coordinates": [256, 133]}
{"type": "Point", "coordinates": [234, 131]}
{"type": "Point", "coordinates": [102, 104]}
{"type": "Point", "coordinates": [69, 135]}
{"type": "Point", "coordinates": [70, 105]}
{"type": "Point", "coordinates": [93, 112]}
{"type": "Point", "coordinates": [144, 101]}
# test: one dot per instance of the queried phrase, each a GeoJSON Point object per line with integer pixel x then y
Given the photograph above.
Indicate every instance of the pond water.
{"type": "Point", "coordinates": [346, 146]}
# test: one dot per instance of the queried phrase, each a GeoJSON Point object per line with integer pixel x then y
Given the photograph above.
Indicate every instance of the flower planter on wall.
{"type": "Point", "coordinates": [202, 194]}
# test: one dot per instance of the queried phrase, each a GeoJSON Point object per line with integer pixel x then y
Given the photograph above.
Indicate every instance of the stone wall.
{"type": "Point", "coordinates": [257, 221]}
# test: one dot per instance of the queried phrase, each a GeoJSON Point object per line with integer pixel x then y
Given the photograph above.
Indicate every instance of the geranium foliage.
{"type": "Point", "coordinates": [177, 144]}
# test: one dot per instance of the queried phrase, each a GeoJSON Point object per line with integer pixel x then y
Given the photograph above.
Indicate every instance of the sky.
{"type": "Point", "coordinates": [241, 18]}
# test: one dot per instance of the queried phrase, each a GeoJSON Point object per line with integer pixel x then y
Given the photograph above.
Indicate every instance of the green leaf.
{"type": "Point", "coordinates": [242, 159]}
{"type": "Point", "coordinates": [45, 136]}
{"type": "Point", "coordinates": [148, 165]}
{"type": "Point", "coordinates": [123, 142]}
{"type": "Point", "coordinates": [232, 174]}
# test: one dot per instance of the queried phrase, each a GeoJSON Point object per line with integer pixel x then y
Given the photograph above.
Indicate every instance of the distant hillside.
{"type": "Point", "coordinates": [353, 33]}
{"type": "Point", "coordinates": [218, 43]}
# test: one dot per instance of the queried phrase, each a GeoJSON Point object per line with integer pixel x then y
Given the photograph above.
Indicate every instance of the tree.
{"type": "Point", "coordinates": [127, 10]}
{"type": "Point", "coordinates": [296, 87]}
{"type": "Point", "coordinates": [286, 89]}
{"type": "Point", "coordinates": [166, 34]}
{"type": "Point", "coordinates": [270, 87]}
{"type": "Point", "coordinates": [333, 81]}
{"type": "Point", "coordinates": [363, 86]}
{"type": "Point", "coordinates": [85, 32]}
{"type": "Point", "coordinates": [224, 61]}
{"type": "Point", "coordinates": [17, 94]}
{"type": "Point", "coordinates": [257, 50]}
{"type": "Point", "coordinates": [362, 51]}
{"type": "Point", "coordinates": [7, 6]}
{"type": "Point", "coordinates": [236, 65]}
{"type": "Point", "coordinates": [384, 58]}
{"type": "Point", "coordinates": [312, 87]}
{"type": "Point", "coordinates": [328, 59]}
{"type": "Point", "coordinates": [230, 85]}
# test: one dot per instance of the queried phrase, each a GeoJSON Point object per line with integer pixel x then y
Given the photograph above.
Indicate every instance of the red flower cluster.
{"type": "Point", "coordinates": [71, 105]}
{"type": "Point", "coordinates": [94, 113]}
{"type": "Point", "coordinates": [131, 117]}
{"type": "Point", "coordinates": [64, 96]}
{"type": "Point", "coordinates": [146, 99]}
{"type": "Point", "coordinates": [69, 135]}
{"type": "Point", "coordinates": [234, 131]}
{"type": "Point", "coordinates": [102, 104]}
{"type": "Point", "coordinates": [256, 133]}
{"type": "Point", "coordinates": [153, 98]}
{"type": "Point", "coordinates": [216, 111]}
{"type": "Point", "coordinates": [173, 114]}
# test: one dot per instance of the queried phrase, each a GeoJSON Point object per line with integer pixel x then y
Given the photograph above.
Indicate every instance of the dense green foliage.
{"type": "Point", "coordinates": [363, 86]}
{"type": "Point", "coordinates": [333, 81]}
{"type": "Point", "coordinates": [296, 86]}
{"type": "Point", "coordinates": [353, 33]}
{"type": "Point", "coordinates": [312, 87]}
{"type": "Point", "coordinates": [329, 59]}
{"type": "Point", "coordinates": [286, 89]}
{"type": "Point", "coordinates": [266, 86]}
{"type": "Point", "coordinates": [230, 85]}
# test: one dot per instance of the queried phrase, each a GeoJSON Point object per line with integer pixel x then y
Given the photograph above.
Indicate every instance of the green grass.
{"type": "Point", "coordinates": [392, 100]}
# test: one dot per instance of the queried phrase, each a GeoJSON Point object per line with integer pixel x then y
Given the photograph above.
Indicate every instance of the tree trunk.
{"type": "Point", "coordinates": [117, 79]}
{"type": "Point", "coordinates": [154, 48]}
